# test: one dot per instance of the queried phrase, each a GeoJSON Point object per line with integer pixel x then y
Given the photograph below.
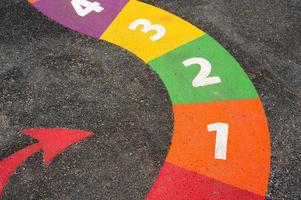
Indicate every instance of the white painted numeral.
{"type": "Point", "coordinates": [148, 26]}
{"type": "Point", "coordinates": [221, 142]}
{"type": "Point", "coordinates": [202, 78]}
{"type": "Point", "coordinates": [84, 7]}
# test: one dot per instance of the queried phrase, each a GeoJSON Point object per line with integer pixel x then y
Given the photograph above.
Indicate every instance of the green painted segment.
{"type": "Point", "coordinates": [178, 78]}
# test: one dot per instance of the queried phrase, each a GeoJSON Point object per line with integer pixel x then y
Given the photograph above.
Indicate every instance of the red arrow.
{"type": "Point", "coordinates": [51, 141]}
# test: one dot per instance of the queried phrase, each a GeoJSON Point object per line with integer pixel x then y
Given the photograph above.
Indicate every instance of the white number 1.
{"type": "Point", "coordinates": [84, 7]}
{"type": "Point", "coordinates": [221, 142]}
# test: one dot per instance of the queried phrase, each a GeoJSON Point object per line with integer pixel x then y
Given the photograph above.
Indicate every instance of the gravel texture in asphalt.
{"type": "Point", "coordinates": [53, 77]}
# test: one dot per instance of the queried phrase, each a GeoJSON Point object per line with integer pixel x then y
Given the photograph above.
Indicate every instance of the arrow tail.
{"type": "Point", "coordinates": [10, 164]}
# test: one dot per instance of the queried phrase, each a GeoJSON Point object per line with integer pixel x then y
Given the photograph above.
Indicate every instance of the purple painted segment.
{"type": "Point", "coordinates": [93, 24]}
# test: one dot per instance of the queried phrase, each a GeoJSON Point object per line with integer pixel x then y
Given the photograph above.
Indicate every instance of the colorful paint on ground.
{"type": "Point", "coordinates": [51, 141]}
{"type": "Point", "coordinates": [221, 143]}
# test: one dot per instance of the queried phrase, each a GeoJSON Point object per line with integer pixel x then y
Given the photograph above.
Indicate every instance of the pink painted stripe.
{"type": "Point", "coordinates": [175, 183]}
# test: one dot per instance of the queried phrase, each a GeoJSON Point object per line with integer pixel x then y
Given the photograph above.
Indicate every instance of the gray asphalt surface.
{"type": "Point", "coordinates": [53, 77]}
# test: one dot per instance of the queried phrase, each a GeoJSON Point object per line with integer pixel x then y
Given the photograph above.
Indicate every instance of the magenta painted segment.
{"type": "Point", "coordinates": [93, 24]}
{"type": "Point", "coordinates": [179, 184]}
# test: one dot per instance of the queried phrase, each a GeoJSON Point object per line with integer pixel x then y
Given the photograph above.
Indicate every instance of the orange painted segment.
{"type": "Point", "coordinates": [32, 1]}
{"type": "Point", "coordinates": [247, 165]}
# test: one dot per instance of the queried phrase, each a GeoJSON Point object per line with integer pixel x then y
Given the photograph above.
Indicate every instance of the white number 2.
{"type": "Point", "coordinates": [84, 7]}
{"type": "Point", "coordinates": [221, 142]}
{"type": "Point", "coordinates": [147, 27]}
{"type": "Point", "coordinates": [202, 78]}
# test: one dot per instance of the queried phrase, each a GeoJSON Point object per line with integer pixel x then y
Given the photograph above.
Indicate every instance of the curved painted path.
{"type": "Point", "coordinates": [221, 145]}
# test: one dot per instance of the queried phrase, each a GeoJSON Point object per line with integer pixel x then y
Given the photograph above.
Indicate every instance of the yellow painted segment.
{"type": "Point", "coordinates": [177, 31]}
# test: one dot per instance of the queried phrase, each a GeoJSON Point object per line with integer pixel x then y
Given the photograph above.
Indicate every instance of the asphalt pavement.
{"type": "Point", "coordinates": [53, 77]}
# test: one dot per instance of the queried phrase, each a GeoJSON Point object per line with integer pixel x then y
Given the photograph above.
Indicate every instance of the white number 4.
{"type": "Point", "coordinates": [84, 7]}
{"type": "Point", "coordinates": [221, 142]}
{"type": "Point", "coordinates": [202, 78]}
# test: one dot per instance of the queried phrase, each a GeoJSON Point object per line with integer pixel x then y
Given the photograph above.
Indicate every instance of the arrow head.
{"type": "Point", "coordinates": [54, 141]}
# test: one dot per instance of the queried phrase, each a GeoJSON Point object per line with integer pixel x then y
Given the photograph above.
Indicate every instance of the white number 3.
{"type": "Point", "coordinates": [147, 27]}
{"type": "Point", "coordinates": [202, 78]}
{"type": "Point", "coordinates": [84, 7]}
